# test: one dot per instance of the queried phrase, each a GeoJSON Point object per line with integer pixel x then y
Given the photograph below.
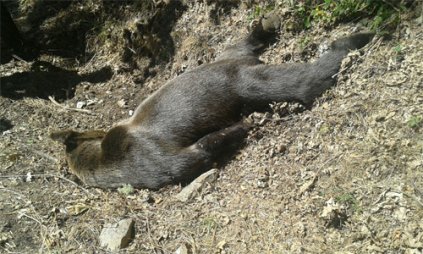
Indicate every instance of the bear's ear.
{"type": "Point", "coordinates": [63, 136]}
{"type": "Point", "coordinates": [116, 143]}
{"type": "Point", "coordinates": [68, 138]}
{"type": "Point", "coordinates": [72, 139]}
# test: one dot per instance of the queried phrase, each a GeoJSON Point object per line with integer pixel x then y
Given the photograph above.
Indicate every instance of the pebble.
{"type": "Point", "coordinates": [117, 236]}
{"type": "Point", "coordinates": [80, 104]}
{"type": "Point", "coordinates": [183, 249]}
{"type": "Point", "coordinates": [195, 186]}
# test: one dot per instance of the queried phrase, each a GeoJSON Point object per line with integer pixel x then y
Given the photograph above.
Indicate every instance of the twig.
{"type": "Point", "coordinates": [149, 233]}
{"type": "Point", "coordinates": [32, 218]}
{"type": "Point", "coordinates": [14, 176]}
{"type": "Point", "coordinates": [326, 162]}
{"type": "Point", "coordinates": [415, 199]}
{"type": "Point", "coordinates": [381, 196]}
{"type": "Point", "coordinates": [19, 58]}
{"type": "Point", "coordinates": [49, 157]}
{"type": "Point", "coordinates": [391, 5]}
{"type": "Point", "coordinates": [132, 50]}
{"type": "Point", "coordinates": [48, 175]}
{"type": "Point", "coordinates": [6, 168]}
{"type": "Point", "coordinates": [69, 108]}
{"type": "Point", "coordinates": [44, 155]}
{"type": "Point", "coordinates": [21, 213]}
{"type": "Point", "coordinates": [90, 63]}
{"type": "Point", "coordinates": [72, 182]}
{"type": "Point", "coordinates": [12, 191]}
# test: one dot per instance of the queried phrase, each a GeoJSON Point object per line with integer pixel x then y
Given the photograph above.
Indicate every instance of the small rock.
{"type": "Point", "coordinates": [91, 102]}
{"type": "Point", "coordinates": [80, 104]}
{"type": "Point", "coordinates": [281, 148]}
{"type": "Point", "coordinates": [117, 236]}
{"type": "Point", "coordinates": [183, 249]}
{"type": "Point", "coordinates": [122, 103]}
{"type": "Point", "coordinates": [262, 184]}
{"type": "Point", "coordinates": [308, 185]}
{"type": "Point", "coordinates": [28, 177]}
{"type": "Point", "coordinates": [6, 132]}
{"type": "Point", "coordinates": [334, 214]}
{"type": "Point", "coordinates": [221, 245]}
{"type": "Point", "coordinates": [5, 237]}
{"type": "Point", "coordinates": [266, 118]}
{"type": "Point", "coordinates": [131, 112]}
{"type": "Point", "coordinates": [263, 178]}
{"type": "Point", "coordinates": [331, 205]}
{"type": "Point", "coordinates": [193, 188]}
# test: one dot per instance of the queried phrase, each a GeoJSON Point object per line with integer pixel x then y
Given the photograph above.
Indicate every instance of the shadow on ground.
{"type": "Point", "coordinates": [45, 79]}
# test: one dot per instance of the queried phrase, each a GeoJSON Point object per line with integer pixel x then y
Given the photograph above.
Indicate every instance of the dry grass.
{"type": "Point", "coordinates": [344, 177]}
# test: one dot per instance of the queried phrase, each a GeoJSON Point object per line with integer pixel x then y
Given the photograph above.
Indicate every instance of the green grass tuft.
{"type": "Point", "coordinates": [415, 122]}
{"type": "Point", "coordinates": [381, 15]}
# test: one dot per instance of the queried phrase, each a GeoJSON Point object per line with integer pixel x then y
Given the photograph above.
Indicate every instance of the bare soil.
{"type": "Point", "coordinates": [343, 177]}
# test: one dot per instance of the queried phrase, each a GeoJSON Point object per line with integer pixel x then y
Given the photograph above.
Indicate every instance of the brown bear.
{"type": "Point", "coordinates": [178, 131]}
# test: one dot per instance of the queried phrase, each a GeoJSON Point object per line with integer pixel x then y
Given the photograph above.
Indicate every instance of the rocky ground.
{"type": "Point", "coordinates": [343, 177]}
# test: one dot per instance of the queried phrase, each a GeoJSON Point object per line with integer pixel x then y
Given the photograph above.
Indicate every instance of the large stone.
{"type": "Point", "coordinates": [117, 236]}
{"type": "Point", "coordinates": [195, 186]}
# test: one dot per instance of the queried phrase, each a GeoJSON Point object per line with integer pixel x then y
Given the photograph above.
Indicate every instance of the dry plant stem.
{"type": "Point", "coordinates": [21, 213]}
{"type": "Point", "coordinates": [381, 196]}
{"type": "Point", "coordinates": [68, 108]}
{"type": "Point", "coordinates": [44, 155]}
{"type": "Point", "coordinates": [90, 63]}
{"type": "Point", "coordinates": [48, 175]}
{"type": "Point", "coordinates": [12, 191]}
{"type": "Point", "coordinates": [39, 153]}
{"type": "Point", "coordinates": [73, 183]}
{"type": "Point", "coordinates": [415, 199]}
{"type": "Point", "coordinates": [149, 233]}
{"type": "Point", "coordinates": [32, 218]}
{"type": "Point", "coordinates": [19, 58]}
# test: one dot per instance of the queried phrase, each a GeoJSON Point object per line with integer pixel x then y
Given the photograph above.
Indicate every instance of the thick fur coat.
{"type": "Point", "coordinates": [179, 130]}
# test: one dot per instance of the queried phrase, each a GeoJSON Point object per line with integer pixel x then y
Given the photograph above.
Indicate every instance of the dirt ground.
{"type": "Point", "coordinates": [343, 177]}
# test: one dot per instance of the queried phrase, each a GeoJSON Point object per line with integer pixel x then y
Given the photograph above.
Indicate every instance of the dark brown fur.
{"type": "Point", "coordinates": [183, 127]}
{"type": "Point", "coordinates": [116, 143]}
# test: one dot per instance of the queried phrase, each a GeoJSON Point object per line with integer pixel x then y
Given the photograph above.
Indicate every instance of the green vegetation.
{"type": "Point", "coordinates": [304, 42]}
{"type": "Point", "coordinates": [259, 11]}
{"type": "Point", "coordinates": [398, 49]}
{"type": "Point", "coordinates": [26, 5]}
{"type": "Point", "coordinates": [126, 190]}
{"type": "Point", "coordinates": [349, 200]}
{"type": "Point", "coordinates": [324, 129]}
{"type": "Point", "coordinates": [106, 30]}
{"type": "Point", "coordinates": [415, 122]}
{"type": "Point", "coordinates": [210, 224]}
{"type": "Point", "coordinates": [380, 15]}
